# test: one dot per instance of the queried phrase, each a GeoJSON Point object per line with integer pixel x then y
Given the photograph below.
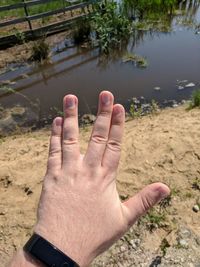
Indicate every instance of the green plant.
{"type": "Point", "coordinates": [195, 99]}
{"type": "Point", "coordinates": [153, 219]}
{"type": "Point", "coordinates": [196, 184]}
{"type": "Point", "coordinates": [142, 62]}
{"type": "Point", "coordinates": [20, 36]}
{"type": "Point", "coordinates": [165, 202]}
{"type": "Point", "coordinates": [163, 246]}
{"type": "Point", "coordinates": [82, 31]}
{"type": "Point", "coordinates": [154, 107]}
{"type": "Point", "coordinates": [131, 57]}
{"type": "Point", "coordinates": [134, 111]}
{"type": "Point", "coordinates": [57, 111]}
{"type": "Point", "coordinates": [111, 26]}
{"type": "Point", "coordinates": [40, 50]}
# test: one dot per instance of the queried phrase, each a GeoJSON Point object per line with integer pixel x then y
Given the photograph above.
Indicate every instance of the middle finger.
{"type": "Point", "coordinates": [100, 132]}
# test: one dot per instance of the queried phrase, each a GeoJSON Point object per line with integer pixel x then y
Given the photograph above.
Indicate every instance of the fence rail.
{"type": "Point", "coordinates": [47, 29]}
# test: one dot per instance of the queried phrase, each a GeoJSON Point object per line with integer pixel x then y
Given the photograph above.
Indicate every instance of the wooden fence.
{"type": "Point", "coordinates": [86, 9]}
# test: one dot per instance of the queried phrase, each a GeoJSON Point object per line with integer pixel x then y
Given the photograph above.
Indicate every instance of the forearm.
{"type": "Point", "coordinates": [21, 259]}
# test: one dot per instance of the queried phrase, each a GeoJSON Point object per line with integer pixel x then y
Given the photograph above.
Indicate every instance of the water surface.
{"type": "Point", "coordinates": [172, 57]}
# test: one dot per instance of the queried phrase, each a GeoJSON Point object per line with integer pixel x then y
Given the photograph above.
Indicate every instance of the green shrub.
{"type": "Point", "coordinates": [195, 99]}
{"type": "Point", "coordinates": [82, 31]}
{"type": "Point", "coordinates": [111, 26]}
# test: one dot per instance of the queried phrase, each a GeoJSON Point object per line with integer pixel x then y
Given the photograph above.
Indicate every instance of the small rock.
{"type": "Point", "coordinates": [7, 82]}
{"type": "Point", "coordinates": [180, 87]}
{"type": "Point", "coordinates": [135, 100]}
{"type": "Point", "coordinates": [88, 118]}
{"type": "Point", "coordinates": [183, 243]}
{"type": "Point", "coordinates": [24, 76]}
{"type": "Point", "coordinates": [157, 88]}
{"type": "Point", "coordinates": [28, 191]}
{"type": "Point", "coordinates": [18, 112]}
{"type": "Point", "coordinates": [197, 239]}
{"type": "Point", "coordinates": [182, 81]}
{"type": "Point", "coordinates": [185, 233]}
{"type": "Point", "coordinates": [195, 208]}
{"type": "Point", "coordinates": [135, 243]}
{"type": "Point", "coordinates": [175, 105]}
{"type": "Point", "coordinates": [122, 248]}
{"type": "Point", "coordinates": [190, 85]}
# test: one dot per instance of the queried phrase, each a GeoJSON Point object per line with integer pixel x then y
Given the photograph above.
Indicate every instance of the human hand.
{"type": "Point", "coordinates": [80, 211]}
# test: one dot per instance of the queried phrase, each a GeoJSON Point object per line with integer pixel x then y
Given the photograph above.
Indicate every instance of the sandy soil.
{"type": "Point", "coordinates": [163, 147]}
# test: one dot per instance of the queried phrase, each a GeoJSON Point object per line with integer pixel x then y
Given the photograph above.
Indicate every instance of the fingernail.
{"type": "Point", "coordinates": [106, 99]}
{"type": "Point", "coordinates": [58, 121]}
{"type": "Point", "coordinates": [70, 102]}
{"type": "Point", "coordinates": [118, 110]}
{"type": "Point", "coordinates": [163, 193]}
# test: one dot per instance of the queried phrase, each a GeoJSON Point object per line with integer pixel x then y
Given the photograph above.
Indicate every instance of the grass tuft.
{"type": "Point", "coordinates": [195, 100]}
{"type": "Point", "coordinates": [40, 51]}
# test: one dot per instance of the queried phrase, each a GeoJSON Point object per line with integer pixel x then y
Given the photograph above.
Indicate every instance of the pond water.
{"type": "Point", "coordinates": [173, 63]}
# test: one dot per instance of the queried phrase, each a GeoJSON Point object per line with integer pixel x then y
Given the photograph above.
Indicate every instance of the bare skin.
{"type": "Point", "coordinates": [80, 211]}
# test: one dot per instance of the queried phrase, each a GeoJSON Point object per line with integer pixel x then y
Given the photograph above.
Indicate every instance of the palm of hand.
{"type": "Point", "coordinates": [80, 211]}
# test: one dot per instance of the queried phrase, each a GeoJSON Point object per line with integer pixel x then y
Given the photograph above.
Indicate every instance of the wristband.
{"type": "Point", "coordinates": [42, 250]}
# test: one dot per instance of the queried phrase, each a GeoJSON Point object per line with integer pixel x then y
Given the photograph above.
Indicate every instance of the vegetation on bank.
{"type": "Point", "coordinates": [40, 51]}
{"type": "Point", "coordinates": [32, 10]}
{"type": "Point", "coordinates": [195, 99]}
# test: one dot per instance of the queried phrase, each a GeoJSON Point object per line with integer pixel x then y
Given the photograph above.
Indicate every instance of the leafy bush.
{"type": "Point", "coordinates": [112, 28]}
{"type": "Point", "coordinates": [82, 31]}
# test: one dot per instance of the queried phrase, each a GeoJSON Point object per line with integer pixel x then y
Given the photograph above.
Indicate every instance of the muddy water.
{"type": "Point", "coordinates": [173, 62]}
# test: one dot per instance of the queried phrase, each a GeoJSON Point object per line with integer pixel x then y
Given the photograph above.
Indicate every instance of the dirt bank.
{"type": "Point", "coordinates": [163, 147]}
{"type": "Point", "coordinates": [20, 54]}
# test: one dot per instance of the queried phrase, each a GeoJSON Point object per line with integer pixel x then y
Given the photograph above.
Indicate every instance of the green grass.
{"type": "Point", "coordinates": [40, 50]}
{"type": "Point", "coordinates": [53, 5]}
{"type": "Point", "coordinates": [153, 219]}
{"type": "Point", "coordinates": [195, 99]}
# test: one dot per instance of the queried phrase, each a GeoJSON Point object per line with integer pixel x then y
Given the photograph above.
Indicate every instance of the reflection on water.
{"type": "Point", "coordinates": [172, 56]}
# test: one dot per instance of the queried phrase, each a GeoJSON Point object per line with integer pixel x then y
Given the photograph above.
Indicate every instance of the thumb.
{"type": "Point", "coordinates": [144, 200]}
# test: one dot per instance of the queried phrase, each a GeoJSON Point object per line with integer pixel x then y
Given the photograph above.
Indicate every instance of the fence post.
{"type": "Point", "coordinates": [63, 2]}
{"type": "Point", "coordinates": [27, 15]}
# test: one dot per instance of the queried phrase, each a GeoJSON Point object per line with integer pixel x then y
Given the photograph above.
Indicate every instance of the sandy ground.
{"type": "Point", "coordinates": [163, 147]}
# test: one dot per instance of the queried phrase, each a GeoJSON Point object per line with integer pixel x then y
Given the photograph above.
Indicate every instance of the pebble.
{"type": "Point", "coordinates": [183, 243]}
{"type": "Point", "coordinates": [197, 239]}
{"type": "Point", "coordinates": [175, 105]}
{"type": "Point", "coordinates": [185, 233]}
{"type": "Point", "coordinates": [180, 87]}
{"type": "Point", "coordinates": [195, 208]}
{"type": "Point", "coordinates": [157, 88]}
{"type": "Point", "coordinates": [190, 85]}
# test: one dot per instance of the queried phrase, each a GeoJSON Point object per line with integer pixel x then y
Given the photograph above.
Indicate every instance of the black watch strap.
{"type": "Point", "coordinates": [42, 250]}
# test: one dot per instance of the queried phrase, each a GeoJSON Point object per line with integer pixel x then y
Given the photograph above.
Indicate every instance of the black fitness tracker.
{"type": "Point", "coordinates": [43, 251]}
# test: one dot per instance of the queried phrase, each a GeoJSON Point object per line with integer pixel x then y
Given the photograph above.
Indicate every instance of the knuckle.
{"type": "Point", "coordinates": [114, 145]}
{"type": "Point", "coordinates": [70, 141]}
{"type": "Point", "coordinates": [54, 152]}
{"type": "Point", "coordinates": [104, 114]}
{"type": "Point", "coordinates": [146, 202]}
{"type": "Point", "coordinates": [99, 139]}
{"type": "Point", "coordinates": [71, 114]}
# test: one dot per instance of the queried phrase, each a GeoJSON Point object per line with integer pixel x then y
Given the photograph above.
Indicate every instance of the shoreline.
{"type": "Point", "coordinates": [20, 120]}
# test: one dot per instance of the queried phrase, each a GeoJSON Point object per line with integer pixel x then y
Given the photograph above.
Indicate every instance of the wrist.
{"type": "Point", "coordinates": [22, 259]}
{"type": "Point", "coordinates": [65, 242]}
